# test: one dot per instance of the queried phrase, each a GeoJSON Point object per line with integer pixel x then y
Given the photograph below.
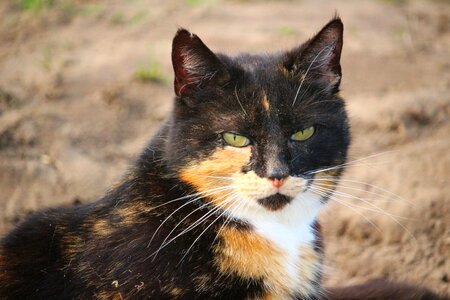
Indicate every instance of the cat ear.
{"type": "Point", "coordinates": [194, 64]}
{"type": "Point", "coordinates": [319, 58]}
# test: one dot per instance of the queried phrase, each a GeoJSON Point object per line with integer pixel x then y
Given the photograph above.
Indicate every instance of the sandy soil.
{"type": "Point", "coordinates": [74, 114]}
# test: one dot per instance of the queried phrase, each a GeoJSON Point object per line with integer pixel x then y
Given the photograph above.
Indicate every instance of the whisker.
{"type": "Point", "coordinates": [375, 209]}
{"type": "Point", "coordinates": [239, 101]}
{"type": "Point", "coordinates": [347, 163]}
{"type": "Point", "coordinates": [238, 205]}
{"type": "Point", "coordinates": [306, 91]}
{"type": "Point", "coordinates": [366, 184]}
{"type": "Point", "coordinates": [306, 73]}
{"type": "Point", "coordinates": [208, 214]}
{"type": "Point", "coordinates": [187, 196]}
{"type": "Point", "coordinates": [187, 216]}
{"type": "Point", "coordinates": [391, 216]}
{"type": "Point", "coordinates": [384, 196]}
{"type": "Point", "coordinates": [198, 237]}
{"type": "Point", "coordinates": [217, 177]}
{"type": "Point", "coordinates": [311, 103]}
{"type": "Point", "coordinates": [368, 164]}
{"type": "Point", "coordinates": [353, 209]}
{"type": "Point", "coordinates": [191, 227]}
{"type": "Point", "coordinates": [187, 203]}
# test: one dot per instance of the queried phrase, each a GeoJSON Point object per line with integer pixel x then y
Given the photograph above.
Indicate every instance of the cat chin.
{"type": "Point", "coordinates": [275, 202]}
{"type": "Point", "coordinates": [301, 209]}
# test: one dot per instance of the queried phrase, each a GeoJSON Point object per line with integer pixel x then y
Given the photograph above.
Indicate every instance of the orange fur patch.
{"type": "Point", "coordinates": [172, 290]}
{"type": "Point", "coordinates": [284, 71]}
{"type": "Point", "coordinates": [130, 214]}
{"type": "Point", "coordinates": [109, 295]}
{"type": "Point", "coordinates": [71, 245]}
{"type": "Point", "coordinates": [215, 172]}
{"type": "Point", "coordinates": [248, 255]}
{"type": "Point", "coordinates": [265, 102]}
{"type": "Point", "coordinates": [176, 292]}
{"type": "Point", "coordinates": [101, 227]}
{"type": "Point", "coordinates": [269, 296]}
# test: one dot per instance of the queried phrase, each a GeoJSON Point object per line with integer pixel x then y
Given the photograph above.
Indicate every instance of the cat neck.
{"type": "Point", "coordinates": [283, 247]}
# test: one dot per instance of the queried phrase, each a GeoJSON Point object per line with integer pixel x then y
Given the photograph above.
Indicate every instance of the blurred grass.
{"type": "Point", "coordinates": [287, 31]}
{"type": "Point", "coordinates": [117, 18]}
{"type": "Point", "coordinates": [151, 71]}
{"type": "Point", "coordinates": [137, 18]}
{"type": "Point", "coordinates": [67, 9]}
{"type": "Point", "coordinates": [46, 61]}
{"type": "Point", "coordinates": [194, 2]}
{"type": "Point", "coordinates": [35, 5]}
{"type": "Point", "coordinates": [95, 10]}
{"type": "Point", "coordinates": [205, 3]}
{"type": "Point", "coordinates": [395, 2]}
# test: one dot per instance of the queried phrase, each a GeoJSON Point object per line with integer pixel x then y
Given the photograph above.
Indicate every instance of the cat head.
{"type": "Point", "coordinates": [254, 131]}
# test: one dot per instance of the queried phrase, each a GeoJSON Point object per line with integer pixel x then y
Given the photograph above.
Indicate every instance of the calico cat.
{"type": "Point", "coordinates": [221, 204]}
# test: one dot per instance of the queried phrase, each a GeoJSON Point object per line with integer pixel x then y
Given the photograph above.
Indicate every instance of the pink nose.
{"type": "Point", "coordinates": [277, 182]}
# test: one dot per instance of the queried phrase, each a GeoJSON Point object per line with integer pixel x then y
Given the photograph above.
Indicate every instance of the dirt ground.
{"type": "Point", "coordinates": [84, 84]}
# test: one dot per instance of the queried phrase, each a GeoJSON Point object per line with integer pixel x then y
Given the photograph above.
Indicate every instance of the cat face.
{"type": "Point", "coordinates": [254, 129]}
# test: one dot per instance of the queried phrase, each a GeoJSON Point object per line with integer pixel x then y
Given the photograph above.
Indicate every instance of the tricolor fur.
{"type": "Point", "coordinates": [196, 217]}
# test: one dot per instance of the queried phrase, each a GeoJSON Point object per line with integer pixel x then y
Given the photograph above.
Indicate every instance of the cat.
{"type": "Point", "coordinates": [221, 204]}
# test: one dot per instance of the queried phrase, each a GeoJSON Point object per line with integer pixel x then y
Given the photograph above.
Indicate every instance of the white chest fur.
{"type": "Point", "coordinates": [289, 230]}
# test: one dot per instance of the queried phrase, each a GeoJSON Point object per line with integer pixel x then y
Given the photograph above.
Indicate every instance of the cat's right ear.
{"type": "Point", "coordinates": [194, 64]}
{"type": "Point", "coordinates": [319, 58]}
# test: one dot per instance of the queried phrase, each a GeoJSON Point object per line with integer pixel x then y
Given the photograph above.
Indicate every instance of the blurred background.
{"type": "Point", "coordinates": [84, 85]}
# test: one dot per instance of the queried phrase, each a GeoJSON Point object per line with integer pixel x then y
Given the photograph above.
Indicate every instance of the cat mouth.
{"type": "Point", "coordinates": [275, 202]}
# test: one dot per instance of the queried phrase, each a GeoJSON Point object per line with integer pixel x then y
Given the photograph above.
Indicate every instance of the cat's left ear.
{"type": "Point", "coordinates": [319, 58]}
{"type": "Point", "coordinates": [194, 64]}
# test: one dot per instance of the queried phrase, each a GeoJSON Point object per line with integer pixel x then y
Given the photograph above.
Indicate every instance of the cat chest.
{"type": "Point", "coordinates": [283, 259]}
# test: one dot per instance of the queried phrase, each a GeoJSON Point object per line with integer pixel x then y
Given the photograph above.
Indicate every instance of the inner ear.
{"type": "Point", "coordinates": [319, 58]}
{"type": "Point", "coordinates": [194, 64]}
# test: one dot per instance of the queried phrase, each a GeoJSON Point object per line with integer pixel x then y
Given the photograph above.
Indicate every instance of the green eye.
{"type": "Point", "coordinates": [304, 134]}
{"type": "Point", "coordinates": [235, 140]}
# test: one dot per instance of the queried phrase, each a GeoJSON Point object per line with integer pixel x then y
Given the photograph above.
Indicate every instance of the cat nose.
{"type": "Point", "coordinates": [277, 182]}
{"type": "Point", "coordinates": [277, 172]}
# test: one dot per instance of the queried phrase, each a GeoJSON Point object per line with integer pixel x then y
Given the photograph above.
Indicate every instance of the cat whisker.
{"type": "Point", "coordinates": [374, 209]}
{"type": "Point", "coordinates": [377, 209]}
{"type": "Point", "coordinates": [198, 237]}
{"type": "Point", "coordinates": [238, 205]}
{"type": "Point", "coordinates": [311, 103]}
{"type": "Point", "coordinates": [349, 206]}
{"type": "Point", "coordinates": [306, 91]}
{"type": "Point", "coordinates": [306, 74]}
{"type": "Point", "coordinates": [217, 177]}
{"type": "Point", "coordinates": [239, 101]}
{"type": "Point", "coordinates": [187, 196]}
{"type": "Point", "coordinates": [351, 181]}
{"type": "Point", "coordinates": [191, 227]}
{"type": "Point", "coordinates": [208, 214]}
{"type": "Point", "coordinates": [187, 203]}
{"type": "Point", "coordinates": [350, 163]}
{"type": "Point", "coordinates": [384, 196]}
{"type": "Point", "coordinates": [187, 216]}
{"type": "Point", "coordinates": [168, 217]}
